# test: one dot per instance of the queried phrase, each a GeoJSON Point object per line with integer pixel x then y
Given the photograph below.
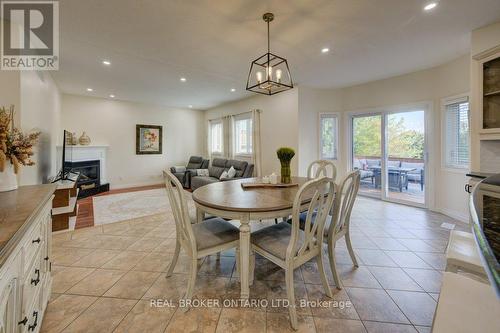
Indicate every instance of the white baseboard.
{"type": "Point", "coordinates": [136, 184]}
{"type": "Point", "coordinates": [453, 214]}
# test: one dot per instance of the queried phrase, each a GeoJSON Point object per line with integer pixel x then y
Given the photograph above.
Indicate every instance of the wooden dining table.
{"type": "Point", "coordinates": [229, 200]}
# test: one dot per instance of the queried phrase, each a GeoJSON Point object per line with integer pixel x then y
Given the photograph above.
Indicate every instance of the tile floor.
{"type": "Point", "coordinates": [105, 277]}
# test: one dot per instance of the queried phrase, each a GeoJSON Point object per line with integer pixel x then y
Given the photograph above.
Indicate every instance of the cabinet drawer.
{"type": "Point", "coordinates": [33, 244]}
{"type": "Point", "coordinates": [32, 282]}
{"type": "Point", "coordinates": [32, 319]}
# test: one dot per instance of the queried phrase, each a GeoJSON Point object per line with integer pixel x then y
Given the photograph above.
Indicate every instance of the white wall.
{"type": "Point", "coordinates": [40, 111]}
{"type": "Point", "coordinates": [113, 123]}
{"type": "Point", "coordinates": [279, 124]}
{"type": "Point", "coordinates": [429, 85]}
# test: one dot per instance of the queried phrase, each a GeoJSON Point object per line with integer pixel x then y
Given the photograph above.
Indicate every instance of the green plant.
{"type": "Point", "coordinates": [285, 156]}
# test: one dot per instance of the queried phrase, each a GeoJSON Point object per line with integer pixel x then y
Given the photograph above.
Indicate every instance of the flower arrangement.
{"type": "Point", "coordinates": [15, 147]}
{"type": "Point", "coordinates": [285, 156]}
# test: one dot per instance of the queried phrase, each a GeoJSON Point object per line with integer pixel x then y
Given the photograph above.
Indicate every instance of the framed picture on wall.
{"type": "Point", "coordinates": [148, 139]}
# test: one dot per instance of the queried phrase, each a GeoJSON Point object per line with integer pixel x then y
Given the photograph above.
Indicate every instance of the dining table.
{"type": "Point", "coordinates": [229, 200]}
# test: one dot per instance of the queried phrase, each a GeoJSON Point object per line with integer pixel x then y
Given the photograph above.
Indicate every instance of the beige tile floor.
{"type": "Point", "coordinates": [106, 276]}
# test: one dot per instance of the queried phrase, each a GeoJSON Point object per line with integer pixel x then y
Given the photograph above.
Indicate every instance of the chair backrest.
{"type": "Point", "coordinates": [321, 191]}
{"type": "Point", "coordinates": [179, 208]}
{"type": "Point", "coordinates": [322, 168]}
{"type": "Point", "coordinates": [344, 201]}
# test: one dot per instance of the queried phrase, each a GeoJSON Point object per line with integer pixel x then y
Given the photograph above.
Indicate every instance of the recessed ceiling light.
{"type": "Point", "coordinates": [106, 62]}
{"type": "Point", "coordinates": [233, 90]}
{"type": "Point", "coordinates": [112, 96]}
{"type": "Point", "coordinates": [183, 79]}
{"type": "Point", "coordinates": [90, 89]}
{"type": "Point", "coordinates": [325, 50]}
{"type": "Point", "coordinates": [430, 6]}
{"type": "Point", "coordinates": [190, 106]}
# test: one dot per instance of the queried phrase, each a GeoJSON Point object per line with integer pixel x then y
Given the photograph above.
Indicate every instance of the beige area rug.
{"type": "Point", "coordinates": [125, 206]}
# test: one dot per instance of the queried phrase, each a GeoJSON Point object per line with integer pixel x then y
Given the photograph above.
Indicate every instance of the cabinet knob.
{"type": "Point", "coordinates": [36, 240]}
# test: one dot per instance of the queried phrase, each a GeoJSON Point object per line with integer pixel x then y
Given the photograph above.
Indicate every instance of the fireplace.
{"type": "Point", "coordinates": [89, 181]}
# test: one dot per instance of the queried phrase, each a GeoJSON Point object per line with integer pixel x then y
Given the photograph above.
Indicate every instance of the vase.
{"type": "Point", "coordinates": [84, 139]}
{"type": "Point", "coordinates": [8, 179]}
{"type": "Point", "coordinates": [74, 140]}
{"type": "Point", "coordinates": [286, 172]}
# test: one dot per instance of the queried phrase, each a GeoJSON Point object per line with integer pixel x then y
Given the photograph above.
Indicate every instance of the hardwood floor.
{"type": "Point", "coordinates": [85, 217]}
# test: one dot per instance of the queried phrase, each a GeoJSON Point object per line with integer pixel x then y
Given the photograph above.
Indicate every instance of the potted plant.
{"type": "Point", "coordinates": [285, 156]}
{"type": "Point", "coordinates": [16, 149]}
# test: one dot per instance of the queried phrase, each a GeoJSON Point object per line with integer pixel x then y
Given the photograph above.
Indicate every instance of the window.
{"type": "Point", "coordinates": [456, 133]}
{"type": "Point", "coordinates": [243, 134]}
{"type": "Point", "coordinates": [328, 136]}
{"type": "Point", "coordinates": [216, 137]}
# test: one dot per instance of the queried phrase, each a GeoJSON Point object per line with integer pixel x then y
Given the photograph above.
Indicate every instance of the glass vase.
{"type": "Point", "coordinates": [286, 172]}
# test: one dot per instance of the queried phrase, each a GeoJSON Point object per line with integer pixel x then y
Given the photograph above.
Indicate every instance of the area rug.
{"type": "Point", "coordinates": [125, 206]}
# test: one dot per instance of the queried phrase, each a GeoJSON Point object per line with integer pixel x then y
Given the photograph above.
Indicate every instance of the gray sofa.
{"type": "Point", "coordinates": [219, 165]}
{"type": "Point", "coordinates": [184, 176]}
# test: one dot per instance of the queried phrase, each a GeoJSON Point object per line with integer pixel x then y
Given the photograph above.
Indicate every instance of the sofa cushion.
{"type": "Point", "coordinates": [200, 181]}
{"type": "Point", "coordinates": [413, 165]}
{"type": "Point", "coordinates": [217, 168]}
{"type": "Point", "coordinates": [239, 166]}
{"type": "Point", "coordinates": [372, 163]}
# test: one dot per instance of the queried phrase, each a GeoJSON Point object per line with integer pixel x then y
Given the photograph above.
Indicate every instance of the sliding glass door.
{"type": "Point", "coordinates": [388, 148]}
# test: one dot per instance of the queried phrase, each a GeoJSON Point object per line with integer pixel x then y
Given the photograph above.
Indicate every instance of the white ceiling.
{"type": "Point", "coordinates": [152, 43]}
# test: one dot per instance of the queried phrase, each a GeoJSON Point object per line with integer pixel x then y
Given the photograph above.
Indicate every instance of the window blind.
{"type": "Point", "coordinates": [457, 134]}
{"type": "Point", "coordinates": [328, 136]}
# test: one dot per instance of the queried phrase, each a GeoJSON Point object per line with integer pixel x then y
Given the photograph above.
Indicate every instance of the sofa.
{"type": "Point", "coordinates": [417, 175]}
{"type": "Point", "coordinates": [219, 165]}
{"type": "Point", "coordinates": [184, 173]}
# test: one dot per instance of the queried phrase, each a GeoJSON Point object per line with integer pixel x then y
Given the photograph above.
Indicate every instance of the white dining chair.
{"type": "Point", "coordinates": [322, 168]}
{"type": "Point", "coordinates": [289, 247]}
{"type": "Point", "coordinates": [338, 225]}
{"type": "Point", "coordinates": [197, 239]}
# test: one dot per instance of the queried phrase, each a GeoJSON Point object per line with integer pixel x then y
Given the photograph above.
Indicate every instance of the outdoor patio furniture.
{"type": "Point", "coordinates": [397, 177]}
{"type": "Point", "coordinates": [417, 175]}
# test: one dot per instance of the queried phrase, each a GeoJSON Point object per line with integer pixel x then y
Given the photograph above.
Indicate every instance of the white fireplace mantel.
{"type": "Point", "coordinates": [87, 153]}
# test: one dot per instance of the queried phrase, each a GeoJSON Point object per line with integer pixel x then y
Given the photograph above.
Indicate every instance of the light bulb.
{"type": "Point", "coordinates": [269, 72]}
{"type": "Point", "coordinates": [259, 77]}
{"type": "Point", "coordinates": [278, 75]}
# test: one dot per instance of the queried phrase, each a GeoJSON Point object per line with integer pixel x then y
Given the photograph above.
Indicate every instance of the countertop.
{"type": "Point", "coordinates": [18, 209]}
{"type": "Point", "coordinates": [485, 213]}
{"type": "Point", "coordinates": [478, 174]}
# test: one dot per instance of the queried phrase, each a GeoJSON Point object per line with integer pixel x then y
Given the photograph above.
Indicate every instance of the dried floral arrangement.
{"type": "Point", "coordinates": [16, 147]}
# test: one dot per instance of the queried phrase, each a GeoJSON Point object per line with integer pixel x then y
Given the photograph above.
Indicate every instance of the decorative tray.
{"type": "Point", "coordinates": [267, 185]}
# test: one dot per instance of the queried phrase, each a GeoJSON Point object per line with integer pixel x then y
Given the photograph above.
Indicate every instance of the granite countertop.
{"type": "Point", "coordinates": [18, 208]}
{"type": "Point", "coordinates": [485, 213]}
{"type": "Point", "coordinates": [478, 174]}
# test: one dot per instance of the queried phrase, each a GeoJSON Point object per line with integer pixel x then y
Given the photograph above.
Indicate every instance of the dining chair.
{"type": "Point", "coordinates": [322, 168]}
{"type": "Point", "coordinates": [289, 247]}
{"type": "Point", "coordinates": [337, 226]}
{"type": "Point", "coordinates": [198, 240]}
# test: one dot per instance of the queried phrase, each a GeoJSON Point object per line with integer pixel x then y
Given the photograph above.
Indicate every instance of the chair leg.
{"type": "Point", "coordinates": [192, 279]}
{"type": "Point", "coordinates": [322, 274]}
{"type": "Point", "coordinates": [333, 265]}
{"type": "Point", "coordinates": [174, 259]}
{"type": "Point", "coordinates": [218, 256]}
{"type": "Point", "coordinates": [349, 248]}
{"type": "Point", "coordinates": [290, 292]}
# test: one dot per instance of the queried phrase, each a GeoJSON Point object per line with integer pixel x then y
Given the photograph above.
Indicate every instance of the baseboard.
{"type": "Point", "coordinates": [131, 185]}
{"type": "Point", "coordinates": [453, 214]}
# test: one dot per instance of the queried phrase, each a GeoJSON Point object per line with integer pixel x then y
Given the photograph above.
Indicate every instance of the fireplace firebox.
{"type": "Point", "coordinates": [89, 181]}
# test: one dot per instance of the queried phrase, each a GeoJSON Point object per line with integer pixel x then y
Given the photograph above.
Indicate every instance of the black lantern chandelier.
{"type": "Point", "coordinates": [269, 74]}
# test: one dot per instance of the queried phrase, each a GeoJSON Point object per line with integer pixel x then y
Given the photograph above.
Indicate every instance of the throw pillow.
{"type": "Point", "coordinates": [231, 172]}
{"type": "Point", "coordinates": [224, 176]}
{"type": "Point", "coordinates": [202, 172]}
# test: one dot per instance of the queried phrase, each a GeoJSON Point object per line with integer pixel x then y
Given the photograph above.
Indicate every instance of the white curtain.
{"type": "Point", "coordinates": [256, 146]}
{"type": "Point", "coordinates": [227, 128]}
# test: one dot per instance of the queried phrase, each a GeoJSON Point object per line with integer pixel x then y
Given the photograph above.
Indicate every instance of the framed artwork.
{"type": "Point", "coordinates": [148, 139]}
